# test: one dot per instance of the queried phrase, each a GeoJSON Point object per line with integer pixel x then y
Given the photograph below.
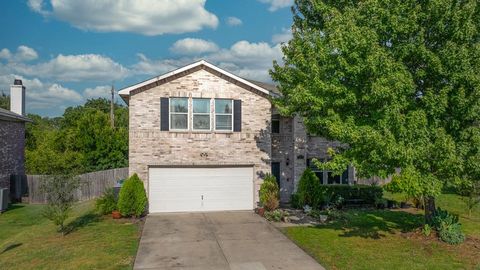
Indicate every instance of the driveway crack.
{"type": "Point", "coordinates": [212, 229]}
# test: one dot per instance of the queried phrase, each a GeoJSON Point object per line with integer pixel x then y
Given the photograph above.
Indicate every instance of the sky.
{"type": "Point", "coordinates": [67, 51]}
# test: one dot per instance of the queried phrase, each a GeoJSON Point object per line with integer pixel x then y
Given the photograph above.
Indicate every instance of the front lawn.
{"type": "Point", "coordinates": [387, 239]}
{"type": "Point", "coordinates": [29, 241]}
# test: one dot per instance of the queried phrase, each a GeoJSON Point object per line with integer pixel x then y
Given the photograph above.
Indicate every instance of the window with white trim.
{"type": "Point", "coordinates": [200, 114]}
{"type": "Point", "coordinates": [178, 113]}
{"type": "Point", "coordinates": [224, 114]}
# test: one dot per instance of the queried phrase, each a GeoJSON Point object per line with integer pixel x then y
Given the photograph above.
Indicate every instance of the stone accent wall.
{"type": "Point", "coordinates": [282, 152]}
{"type": "Point", "coordinates": [12, 150]}
{"type": "Point", "coordinates": [148, 146]}
{"type": "Point", "coordinates": [300, 148]}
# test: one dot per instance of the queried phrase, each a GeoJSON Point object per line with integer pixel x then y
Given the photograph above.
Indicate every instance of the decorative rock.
{"type": "Point", "coordinates": [323, 218]}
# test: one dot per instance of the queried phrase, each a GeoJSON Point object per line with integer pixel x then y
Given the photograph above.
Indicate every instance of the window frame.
{"type": "Point", "coordinates": [326, 174]}
{"type": "Point", "coordinates": [209, 115]}
{"type": "Point", "coordinates": [178, 113]}
{"type": "Point", "coordinates": [215, 115]}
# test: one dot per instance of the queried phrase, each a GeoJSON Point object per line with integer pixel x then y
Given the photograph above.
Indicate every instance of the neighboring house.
{"type": "Point", "coordinates": [12, 136]}
{"type": "Point", "coordinates": [202, 139]}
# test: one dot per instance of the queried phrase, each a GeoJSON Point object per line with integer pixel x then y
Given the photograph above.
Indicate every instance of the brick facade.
{"type": "Point", "coordinates": [148, 146]}
{"type": "Point", "coordinates": [255, 145]}
{"type": "Point", "coordinates": [12, 154]}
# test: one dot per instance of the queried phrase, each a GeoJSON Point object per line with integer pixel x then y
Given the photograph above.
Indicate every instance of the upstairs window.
{"type": "Point", "coordinates": [224, 114]}
{"type": "Point", "coordinates": [201, 114]}
{"type": "Point", "coordinates": [178, 113]}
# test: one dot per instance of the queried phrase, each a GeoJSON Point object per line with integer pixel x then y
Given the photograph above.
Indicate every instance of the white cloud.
{"type": "Point", "coordinates": [40, 95]}
{"type": "Point", "coordinates": [284, 36]}
{"type": "Point", "coordinates": [5, 54]}
{"type": "Point", "coordinates": [98, 91]}
{"type": "Point", "coordinates": [234, 21]}
{"type": "Point", "coordinates": [277, 4]}
{"type": "Point", "coordinates": [88, 67]}
{"type": "Point", "coordinates": [147, 17]}
{"type": "Point", "coordinates": [38, 6]}
{"type": "Point", "coordinates": [147, 66]}
{"type": "Point", "coordinates": [23, 53]}
{"type": "Point", "coordinates": [190, 46]}
{"type": "Point", "coordinates": [245, 59]}
{"type": "Point", "coordinates": [248, 60]}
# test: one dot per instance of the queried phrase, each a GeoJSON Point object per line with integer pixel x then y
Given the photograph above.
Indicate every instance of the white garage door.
{"type": "Point", "coordinates": [200, 189]}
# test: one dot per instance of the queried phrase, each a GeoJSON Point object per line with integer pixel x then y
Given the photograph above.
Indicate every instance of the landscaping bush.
{"type": "Point", "coordinates": [448, 227]}
{"type": "Point", "coordinates": [308, 191]}
{"type": "Point", "coordinates": [107, 203]}
{"type": "Point", "coordinates": [269, 193]}
{"type": "Point", "coordinates": [132, 199]}
{"type": "Point", "coordinates": [295, 201]}
{"type": "Point", "coordinates": [451, 233]}
{"type": "Point", "coordinates": [367, 193]}
{"type": "Point", "coordinates": [275, 215]}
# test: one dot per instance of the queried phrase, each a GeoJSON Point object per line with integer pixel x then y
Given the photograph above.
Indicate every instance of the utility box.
{"type": "Point", "coordinates": [116, 188]}
{"type": "Point", "coordinates": [4, 199]}
{"type": "Point", "coordinates": [18, 187]}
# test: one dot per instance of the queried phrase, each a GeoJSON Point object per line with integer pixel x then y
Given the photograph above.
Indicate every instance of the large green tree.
{"type": "Point", "coordinates": [396, 80]}
{"type": "Point", "coordinates": [82, 140]}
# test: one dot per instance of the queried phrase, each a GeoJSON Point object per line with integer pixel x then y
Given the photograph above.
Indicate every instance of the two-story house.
{"type": "Point", "coordinates": [202, 139]}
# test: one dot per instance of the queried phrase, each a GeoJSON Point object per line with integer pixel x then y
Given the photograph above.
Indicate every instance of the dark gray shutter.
{"type": "Point", "coordinates": [237, 115]}
{"type": "Point", "coordinates": [164, 125]}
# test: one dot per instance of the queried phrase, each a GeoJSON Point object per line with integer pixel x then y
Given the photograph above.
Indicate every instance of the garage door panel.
{"type": "Point", "coordinates": [181, 189]}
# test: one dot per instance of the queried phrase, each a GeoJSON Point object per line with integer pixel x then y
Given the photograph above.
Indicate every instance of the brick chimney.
{"type": "Point", "coordinates": [17, 97]}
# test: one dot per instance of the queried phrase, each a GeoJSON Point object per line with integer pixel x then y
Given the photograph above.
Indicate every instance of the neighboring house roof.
{"type": "Point", "coordinates": [270, 87]}
{"type": "Point", "coordinates": [7, 115]}
{"type": "Point", "coordinates": [133, 89]}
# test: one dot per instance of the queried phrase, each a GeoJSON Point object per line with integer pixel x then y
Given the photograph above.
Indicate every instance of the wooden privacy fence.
{"type": "Point", "coordinates": [93, 184]}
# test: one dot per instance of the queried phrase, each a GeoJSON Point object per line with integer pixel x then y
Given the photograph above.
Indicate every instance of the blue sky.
{"type": "Point", "coordinates": [67, 51]}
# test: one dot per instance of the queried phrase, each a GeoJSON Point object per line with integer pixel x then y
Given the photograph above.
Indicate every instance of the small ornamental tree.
{"type": "Point", "coordinates": [60, 195]}
{"type": "Point", "coordinates": [396, 82]}
{"type": "Point", "coordinates": [132, 199]}
{"type": "Point", "coordinates": [269, 193]}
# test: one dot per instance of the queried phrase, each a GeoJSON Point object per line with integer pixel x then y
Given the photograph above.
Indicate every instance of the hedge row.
{"type": "Point", "coordinates": [366, 193]}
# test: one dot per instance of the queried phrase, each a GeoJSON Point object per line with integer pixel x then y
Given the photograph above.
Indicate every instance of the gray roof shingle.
{"type": "Point", "coordinates": [7, 115]}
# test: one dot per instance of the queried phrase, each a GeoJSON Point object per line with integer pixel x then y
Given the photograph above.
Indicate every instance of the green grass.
{"type": "Point", "coordinates": [384, 239]}
{"type": "Point", "coordinates": [29, 241]}
{"type": "Point", "coordinates": [453, 203]}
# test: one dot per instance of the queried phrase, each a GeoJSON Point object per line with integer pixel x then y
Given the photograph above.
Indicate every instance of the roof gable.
{"type": "Point", "coordinates": [125, 93]}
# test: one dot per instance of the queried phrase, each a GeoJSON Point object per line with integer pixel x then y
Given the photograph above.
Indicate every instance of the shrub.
{"type": "Point", "coordinates": [427, 230]}
{"type": "Point", "coordinates": [367, 193]}
{"type": "Point", "coordinates": [275, 215]}
{"type": "Point", "coordinates": [448, 227]}
{"type": "Point", "coordinates": [60, 195]}
{"type": "Point", "coordinates": [295, 201]}
{"type": "Point", "coordinates": [269, 193]}
{"type": "Point", "coordinates": [451, 233]}
{"type": "Point", "coordinates": [308, 191]}
{"type": "Point", "coordinates": [107, 203]}
{"type": "Point", "coordinates": [132, 199]}
{"type": "Point", "coordinates": [443, 216]}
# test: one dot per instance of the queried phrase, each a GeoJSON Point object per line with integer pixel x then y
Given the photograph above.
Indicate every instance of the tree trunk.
{"type": "Point", "coordinates": [430, 209]}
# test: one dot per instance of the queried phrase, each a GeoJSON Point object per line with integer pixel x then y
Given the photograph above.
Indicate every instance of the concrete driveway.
{"type": "Point", "coordinates": [217, 240]}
